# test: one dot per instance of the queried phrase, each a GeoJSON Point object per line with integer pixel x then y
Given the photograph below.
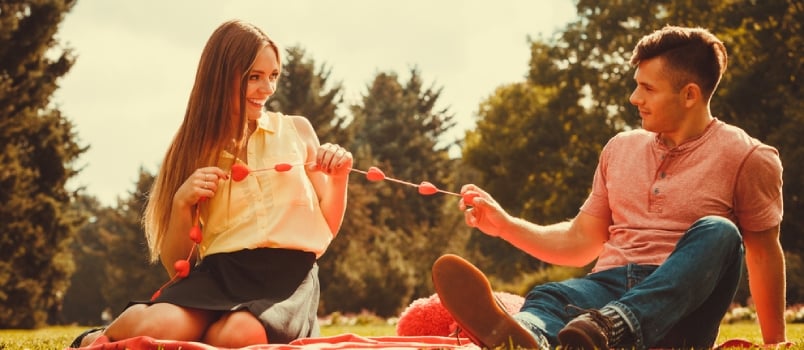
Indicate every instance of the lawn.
{"type": "Point", "coordinates": [59, 337]}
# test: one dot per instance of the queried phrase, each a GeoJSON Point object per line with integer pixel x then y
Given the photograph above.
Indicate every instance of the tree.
{"type": "Point", "coordinates": [112, 265]}
{"type": "Point", "coordinates": [37, 220]}
{"type": "Point", "coordinates": [536, 146]}
{"type": "Point", "coordinates": [353, 279]}
{"type": "Point", "coordinates": [399, 129]}
{"type": "Point", "coordinates": [392, 234]}
{"type": "Point", "coordinates": [128, 273]}
{"type": "Point", "coordinates": [83, 301]}
{"type": "Point", "coordinates": [304, 90]}
{"type": "Point", "coordinates": [762, 92]}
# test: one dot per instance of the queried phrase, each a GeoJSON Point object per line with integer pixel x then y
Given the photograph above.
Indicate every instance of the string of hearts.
{"type": "Point", "coordinates": [239, 172]}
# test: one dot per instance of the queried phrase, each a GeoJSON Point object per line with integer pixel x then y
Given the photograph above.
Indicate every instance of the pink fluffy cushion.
{"type": "Point", "coordinates": [426, 316]}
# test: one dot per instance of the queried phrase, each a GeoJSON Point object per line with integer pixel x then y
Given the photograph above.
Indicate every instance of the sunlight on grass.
{"type": "Point", "coordinates": [41, 339]}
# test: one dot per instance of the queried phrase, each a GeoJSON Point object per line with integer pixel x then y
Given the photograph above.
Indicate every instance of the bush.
{"type": "Point", "coordinates": [526, 282]}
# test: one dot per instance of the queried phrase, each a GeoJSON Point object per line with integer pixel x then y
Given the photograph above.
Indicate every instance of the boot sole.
{"type": "Point", "coordinates": [466, 293]}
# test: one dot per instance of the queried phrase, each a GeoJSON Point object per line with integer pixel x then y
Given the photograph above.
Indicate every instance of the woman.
{"type": "Point", "coordinates": [254, 277]}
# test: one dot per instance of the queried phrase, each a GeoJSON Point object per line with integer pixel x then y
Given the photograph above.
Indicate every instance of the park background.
{"type": "Point", "coordinates": [68, 253]}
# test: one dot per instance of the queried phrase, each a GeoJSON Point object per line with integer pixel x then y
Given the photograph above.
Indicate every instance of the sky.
{"type": "Point", "coordinates": [127, 91]}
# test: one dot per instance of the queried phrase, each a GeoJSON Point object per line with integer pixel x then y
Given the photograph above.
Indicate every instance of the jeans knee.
{"type": "Point", "coordinates": [719, 230]}
{"type": "Point", "coordinates": [543, 292]}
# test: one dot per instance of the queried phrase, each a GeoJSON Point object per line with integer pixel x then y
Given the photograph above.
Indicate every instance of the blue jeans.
{"type": "Point", "coordinates": [677, 304]}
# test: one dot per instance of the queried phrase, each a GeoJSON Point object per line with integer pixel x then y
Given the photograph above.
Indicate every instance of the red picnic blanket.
{"type": "Point", "coordinates": [337, 342]}
{"type": "Point", "coordinates": [349, 341]}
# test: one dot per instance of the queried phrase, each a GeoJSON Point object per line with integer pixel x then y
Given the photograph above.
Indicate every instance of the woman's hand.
{"type": "Point", "coordinates": [201, 184]}
{"type": "Point", "coordinates": [333, 160]}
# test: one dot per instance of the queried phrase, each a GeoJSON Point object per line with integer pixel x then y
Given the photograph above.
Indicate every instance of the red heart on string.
{"type": "Point", "coordinates": [239, 172]}
{"type": "Point", "coordinates": [156, 294]}
{"type": "Point", "coordinates": [426, 188]}
{"type": "Point", "coordinates": [282, 167]}
{"type": "Point", "coordinates": [195, 234]}
{"type": "Point", "coordinates": [182, 268]}
{"type": "Point", "coordinates": [375, 174]}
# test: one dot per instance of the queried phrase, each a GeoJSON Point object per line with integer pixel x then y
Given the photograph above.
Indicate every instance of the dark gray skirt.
{"type": "Point", "coordinates": [278, 286]}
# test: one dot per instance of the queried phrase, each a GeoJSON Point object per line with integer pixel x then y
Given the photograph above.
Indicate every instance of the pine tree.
{"type": "Point", "coordinates": [304, 90]}
{"type": "Point", "coordinates": [398, 129]}
{"type": "Point", "coordinates": [37, 221]}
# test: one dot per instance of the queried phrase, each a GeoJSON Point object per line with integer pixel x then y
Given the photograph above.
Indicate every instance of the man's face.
{"type": "Point", "coordinates": [660, 104]}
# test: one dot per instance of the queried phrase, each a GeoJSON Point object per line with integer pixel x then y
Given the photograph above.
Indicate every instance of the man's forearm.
{"type": "Point", "coordinates": [766, 275]}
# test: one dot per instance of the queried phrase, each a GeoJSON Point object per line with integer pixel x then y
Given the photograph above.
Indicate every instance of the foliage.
{"type": "Point", "coordinates": [304, 90]}
{"type": "Point", "coordinates": [528, 279]}
{"type": "Point", "coordinates": [794, 264]}
{"type": "Point", "coordinates": [38, 145]}
{"type": "Point", "coordinates": [385, 243]}
{"type": "Point", "coordinates": [536, 157]}
{"type": "Point", "coordinates": [128, 274]}
{"type": "Point", "coordinates": [398, 129]}
{"type": "Point", "coordinates": [111, 259]}
{"type": "Point", "coordinates": [763, 92]}
{"type": "Point", "coordinates": [81, 302]}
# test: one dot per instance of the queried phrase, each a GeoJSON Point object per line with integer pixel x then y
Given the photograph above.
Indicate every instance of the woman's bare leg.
{"type": "Point", "coordinates": [160, 321]}
{"type": "Point", "coordinates": [236, 330]}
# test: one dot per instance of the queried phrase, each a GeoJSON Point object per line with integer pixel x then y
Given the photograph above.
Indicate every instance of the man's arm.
{"type": "Point", "coordinates": [570, 243]}
{"type": "Point", "coordinates": [766, 278]}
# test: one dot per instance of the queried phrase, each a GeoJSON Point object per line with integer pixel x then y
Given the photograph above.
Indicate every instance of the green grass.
{"type": "Point", "coordinates": [59, 337]}
{"type": "Point", "coordinates": [46, 338]}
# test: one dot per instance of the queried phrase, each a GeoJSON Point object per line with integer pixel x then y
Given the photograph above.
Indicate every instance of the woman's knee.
{"type": "Point", "coordinates": [236, 329]}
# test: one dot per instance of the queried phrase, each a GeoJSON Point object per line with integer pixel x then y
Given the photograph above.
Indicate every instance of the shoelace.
{"type": "Point", "coordinates": [597, 317]}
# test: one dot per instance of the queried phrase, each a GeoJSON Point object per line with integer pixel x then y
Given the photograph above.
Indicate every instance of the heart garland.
{"type": "Point", "coordinates": [240, 171]}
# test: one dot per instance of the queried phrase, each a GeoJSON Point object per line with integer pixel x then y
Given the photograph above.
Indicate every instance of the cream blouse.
{"type": "Point", "coordinates": [268, 208]}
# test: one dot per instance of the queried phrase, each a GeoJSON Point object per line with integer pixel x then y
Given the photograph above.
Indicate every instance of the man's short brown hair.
{"type": "Point", "coordinates": [693, 55]}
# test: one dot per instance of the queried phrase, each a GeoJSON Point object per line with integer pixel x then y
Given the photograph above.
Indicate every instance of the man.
{"type": "Point", "coordinates": [676, 209]}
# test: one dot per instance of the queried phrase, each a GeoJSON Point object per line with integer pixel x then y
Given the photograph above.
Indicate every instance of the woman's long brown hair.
{"type": "Point", "coordinates": [209, 126]}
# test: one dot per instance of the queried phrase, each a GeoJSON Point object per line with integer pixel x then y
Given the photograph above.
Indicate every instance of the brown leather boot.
{"type": "Point", "coordinates": [467, 295]}
{"type": "Point", "coordinates": [588, 331]}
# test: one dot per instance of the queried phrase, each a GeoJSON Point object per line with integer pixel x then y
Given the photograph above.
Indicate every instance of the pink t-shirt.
{"type": "Point", "coordinates": [652, 194]}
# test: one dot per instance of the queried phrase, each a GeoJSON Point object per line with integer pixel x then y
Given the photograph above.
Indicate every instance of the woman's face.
{"type": "Point", "coordinates": [261, 81]}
